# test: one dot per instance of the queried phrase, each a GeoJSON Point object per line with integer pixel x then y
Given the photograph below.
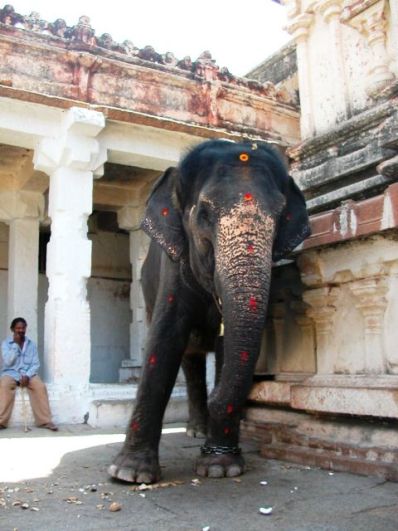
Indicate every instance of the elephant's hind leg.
{"type": "Point", "coordinates": [194, 367]}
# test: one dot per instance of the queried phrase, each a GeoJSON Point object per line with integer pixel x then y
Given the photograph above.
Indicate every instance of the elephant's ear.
{"type": "Point", "coordinates": [162, 219]}
{"type": "Point", "coordinates": [293, 225]}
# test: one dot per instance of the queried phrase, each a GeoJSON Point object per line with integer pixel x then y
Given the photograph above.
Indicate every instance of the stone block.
{"type": "Point", "coordinates": [367, 401]}
{"type": "Point", "coordinates": [340, 443]}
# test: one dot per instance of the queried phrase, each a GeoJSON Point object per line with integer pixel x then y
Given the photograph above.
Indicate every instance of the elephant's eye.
{"type": "Point", "coordinates": [204, 215]}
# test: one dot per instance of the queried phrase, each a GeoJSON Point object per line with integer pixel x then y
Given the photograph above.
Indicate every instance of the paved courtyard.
{"type": "Point", "coordinates": [58, 481]}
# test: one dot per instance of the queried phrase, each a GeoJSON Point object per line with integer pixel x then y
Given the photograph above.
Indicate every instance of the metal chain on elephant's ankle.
{"type": "Point", "coordinates": [220, 450]}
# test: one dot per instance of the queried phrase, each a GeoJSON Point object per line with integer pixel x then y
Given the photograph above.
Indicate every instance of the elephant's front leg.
{"type": "Point", "coordinates": [138, 461]}
{"type": "Point", "coordinates": [221, 454]}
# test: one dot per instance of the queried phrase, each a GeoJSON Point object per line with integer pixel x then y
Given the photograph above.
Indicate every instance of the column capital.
{"type": "Point", "coordinates": [129, 217]}
{"type": "Point", "coordinates": [322, 307]}
{"type": "Point", "coordinates": [19, 204]}
{"type": "Point", "coordinates": [371, 301]}
{"type": "Point", "coordinates": [76, 146]}
{"type": "Point", "coordinates": [300, 26]}
{"type": "Point", "coordinates": [330, 9]}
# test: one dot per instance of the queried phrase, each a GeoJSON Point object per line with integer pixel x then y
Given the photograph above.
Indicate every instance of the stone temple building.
{"type": "Point", "coordinates": [86, 126]}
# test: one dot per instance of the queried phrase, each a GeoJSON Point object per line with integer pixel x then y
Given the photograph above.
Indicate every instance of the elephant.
{"type": "Point", "coordinates": [217, 222]}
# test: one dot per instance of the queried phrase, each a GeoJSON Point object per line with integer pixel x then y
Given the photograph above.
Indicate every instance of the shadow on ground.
{"type": "Point", "coordinates": [70, 489]}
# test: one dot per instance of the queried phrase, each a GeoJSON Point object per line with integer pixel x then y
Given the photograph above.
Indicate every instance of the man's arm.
{"type": "Point", "coordinates": [35, 364]}
{"type": "Point", "coordinates": [10, 353]}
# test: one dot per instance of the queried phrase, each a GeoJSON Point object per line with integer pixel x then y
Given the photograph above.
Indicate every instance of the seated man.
{"type": "Point", "coordinates": [20, 366]}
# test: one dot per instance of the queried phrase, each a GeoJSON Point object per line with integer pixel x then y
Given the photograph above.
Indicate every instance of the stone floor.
{"type": "Point", "coordinates": [56, 481]}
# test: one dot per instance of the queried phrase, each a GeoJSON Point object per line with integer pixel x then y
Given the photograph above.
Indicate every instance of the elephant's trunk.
{"type": "Point", "coordinates": [243, 270]}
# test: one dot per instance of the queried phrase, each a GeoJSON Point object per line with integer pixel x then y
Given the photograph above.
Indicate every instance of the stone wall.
{"type": "Point", "coordinates": [346, 54]}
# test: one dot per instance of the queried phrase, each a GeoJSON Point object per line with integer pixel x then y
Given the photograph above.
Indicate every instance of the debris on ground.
{"type": "Point", "coordinates": [265, 510]}
{"type": "Point", "coordinates": [162, 485]}
{"type": "Point", "coordinates": [114, 507]}
{"type": "Point", "coordinates": [73, 499]}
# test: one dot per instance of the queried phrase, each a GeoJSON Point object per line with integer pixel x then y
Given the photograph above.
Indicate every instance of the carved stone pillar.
{"type": "Point", "coordinates": [22, 211]}
{"type": "Point", "coordinates": [322, 310]}
{"type": "Point", "coordinates": [330, 11]}
{"type": "Point", "coordinates": [370, 294]}
{"type": "Point", "coordinates": [71, 160]}
{"type": "Point", "coordinates": [299, 29]}
{"type": "Point", "coordinates": [306, 326]}
{"type": "Point", "coordinates": [278, 322]}
{"type": "Point", "coordinates": [371, 23]}
{"type": "Point", "coordinates": [129, 219]}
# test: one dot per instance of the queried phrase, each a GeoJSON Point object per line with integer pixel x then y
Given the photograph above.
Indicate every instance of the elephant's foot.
{"type": "Point", "coordinates": [196, 428]}
{"type": "Point", "coordinates": [220, 465]}
{"type": "Point", "coordinates": [135, 466]}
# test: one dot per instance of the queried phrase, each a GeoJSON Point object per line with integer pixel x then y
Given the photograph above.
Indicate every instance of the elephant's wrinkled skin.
{"type": "Point", "coordinates": [216, 222]}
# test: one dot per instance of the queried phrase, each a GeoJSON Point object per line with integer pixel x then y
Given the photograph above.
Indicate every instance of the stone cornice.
{"type": "Point", "coordinates": [45, 69]}
{"type": "Point", "coordinates": [133, 117]}
{"type": "Point", "coordinates": [354, 219]}
{"type": "Point", "coordinates": [353, 8]}
{"type": "Point", "coordinates": [359, 122]}
{"type": "Point", "coordinates": [82, 38]}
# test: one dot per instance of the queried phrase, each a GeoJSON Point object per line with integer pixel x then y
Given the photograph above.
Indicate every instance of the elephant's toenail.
{"type": "Point", "coordinates": [233, 471]}
{"type": "Point", "coordinates": [201, 471]}
{"type": "Point", "coordinates": [216, 471]}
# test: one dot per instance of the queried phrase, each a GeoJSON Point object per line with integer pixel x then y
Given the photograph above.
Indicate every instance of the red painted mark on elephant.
{"type": "Point", "coordinates": [248, 197]}
{"type": "Point", "coordinates": [244, 356]}
{"type": "Point", "coordinates": [250, 248]}
{"type": "Point", "coordinates": [170, 298]}
{"type": "Point", "coordinates": [252, 304]}
{"type": "Point", "coordinates": [152, 360]}
{"type": "Point", "coordinates": [135, 426]}
{"type": "Point", "coordinates": [226, 431]}
{"type": "Point", "coordinates": [230, 408]}
{"type": "Point", "coordinates": [165, 212]}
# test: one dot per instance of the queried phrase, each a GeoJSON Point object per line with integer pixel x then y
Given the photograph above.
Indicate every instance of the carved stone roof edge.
{"type": "Point", "coordinates": [360, 122]}
{"type": "Point", "coordinates": [81, 37]}
{"type": "Point", "coordinates": [136, 117]}
{"type": "Point", "coordinates": [354, 8]}
{"type": "Point", "coordinates": [287, 49]}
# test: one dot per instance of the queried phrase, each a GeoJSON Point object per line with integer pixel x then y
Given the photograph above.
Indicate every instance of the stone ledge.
{"type": "Point", "coordinates": [377, 402]}
{"type": "Point", "coordinates": [354, 395]}
{"type": "Point", "coordinates": [116, 413]}
{"type": "Point", "coordinates": [354, 219]}
{"type": "Point", "coordinates": [108, 405]}
{"type": "Point", "coordinates": [271, 392]}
